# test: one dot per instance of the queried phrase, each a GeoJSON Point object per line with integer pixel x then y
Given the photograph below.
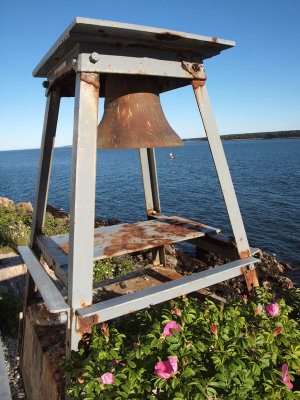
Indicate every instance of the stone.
{"type": "Point", "coordinates": [113, 222]}
{"type": "Point", "coordinates": [170, 250]}
{"type": "Point", "coordinates": [6, 203]}
{"type": "Point", "coordinates": [55, 212]}
{"type": "Point", "coordinates": [26, 206]}
{"type": "Point", "coordinates": [171, 261]}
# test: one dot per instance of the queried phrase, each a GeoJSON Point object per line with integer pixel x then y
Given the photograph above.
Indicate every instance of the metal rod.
{"type": "Point", "coordinates": [125, 304]}
{"type": "Point", "coordinates": [224, 176]}
{"type": "Point", "coordinates": [82, 204]}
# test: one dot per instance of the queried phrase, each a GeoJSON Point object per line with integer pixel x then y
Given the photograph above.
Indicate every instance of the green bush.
{"type": "Point", "coordinates": [15, 227]}
{"type": "Point", "coordinates": [15, 234]}
{"type": "Point", "coordinates": [11, 305]}
{"type": "Point", "coordinates": [56, 226]}
{"type": "Point", "coordinates": [109, 268]}
{"type": "Point", "coordinates": [222, 352]}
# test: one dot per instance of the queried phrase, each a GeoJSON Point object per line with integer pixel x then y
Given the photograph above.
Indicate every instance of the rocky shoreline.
{"type": "Point", "coordinates": [271, 275]}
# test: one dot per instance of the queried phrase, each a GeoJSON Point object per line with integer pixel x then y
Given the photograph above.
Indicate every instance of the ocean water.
{"type": "Point", "coordinates": [265, 173]}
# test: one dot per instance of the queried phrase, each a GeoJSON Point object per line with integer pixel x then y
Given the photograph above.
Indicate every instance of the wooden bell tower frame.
{"type": "Point", "coordinates": [76, 66]}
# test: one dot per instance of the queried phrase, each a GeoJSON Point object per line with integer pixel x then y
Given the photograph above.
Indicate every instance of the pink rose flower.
{"type": "Point", "coordinates": [214, 329]}
{"type": "Point", "coordinates": [272, 309]}
{"type": "Point", "coordinates": [286, 378]}
{"type": "Point", "coordinates": [5, 216]}
{"type": "Point", "coordinates": [80, 378]}
{"type": "Point", "coordinates": [103, 328]}
{"type": "Point", "coordinates": [107, 379]}
{"type": "Point", "coordinates": [277, 330]}
{"type": "Point", "coordinates": [114, 362]}
{"type": "Point", "coordinates": [166, 369]}
{"type": "Point", "coordinates": [178, 312]}
{"type": "Point", "coordinates": [245, 298]}
{"type": "Point", "coordinates": [168, 331]}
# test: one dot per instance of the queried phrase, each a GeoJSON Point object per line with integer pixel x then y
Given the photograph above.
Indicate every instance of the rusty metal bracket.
{"type": "Point", "coordinates": [197, 72]}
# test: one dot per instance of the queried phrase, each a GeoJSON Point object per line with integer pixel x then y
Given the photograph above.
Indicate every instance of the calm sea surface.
{"type": "Point", "coordinates": [265, 174]}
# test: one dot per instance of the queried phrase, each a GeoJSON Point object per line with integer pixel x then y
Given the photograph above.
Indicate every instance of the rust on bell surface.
{"type": "Point", "coordinates": [133, 116]}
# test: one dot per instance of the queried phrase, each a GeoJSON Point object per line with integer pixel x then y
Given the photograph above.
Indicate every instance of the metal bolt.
{"type": "Point", "coordinates": [46, 84]}
{"type": "Point", "coordinates": [251, 267]}
{"type": "Point", "coordinates": [94, 57]}
{"type": "Point", "coordinates": [63, 317]}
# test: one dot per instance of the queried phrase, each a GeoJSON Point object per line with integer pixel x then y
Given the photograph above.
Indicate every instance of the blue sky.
{"type": "Point", "coordinates": [253, 87]}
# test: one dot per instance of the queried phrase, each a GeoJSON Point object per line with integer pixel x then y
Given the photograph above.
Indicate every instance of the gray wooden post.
{"type": "Point", "coordinates": [45, 162]}
{"type": "Point", "coordinates": [224, 176]}
{"type": "Point", "coordinates": [150, 181]}
{"type": "Point", "coordinates": [43, 178]}
{"type": "Point", "coordinates": [82, 202]}
{"type": "Point", "coordinates": [42, 183]}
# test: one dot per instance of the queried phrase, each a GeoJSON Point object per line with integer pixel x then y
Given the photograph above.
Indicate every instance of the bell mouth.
{"type": "Point", "coordinates": [133, 116]}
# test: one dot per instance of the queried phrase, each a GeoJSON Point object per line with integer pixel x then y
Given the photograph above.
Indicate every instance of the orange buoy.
{"type": "Point", "coordinates": [171, 156]}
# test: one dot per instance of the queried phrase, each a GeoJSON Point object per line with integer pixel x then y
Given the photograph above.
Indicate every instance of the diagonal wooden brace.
{"type": "Point", "coordinates": [224, 176]}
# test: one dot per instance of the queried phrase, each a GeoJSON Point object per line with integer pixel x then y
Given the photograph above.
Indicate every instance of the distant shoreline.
{"type": "Point", "coordinates": [292, 134]}
{"type": "Point", "coordinates": [204, 139]}
{"type": "Point", "coordinates": [291, 137]}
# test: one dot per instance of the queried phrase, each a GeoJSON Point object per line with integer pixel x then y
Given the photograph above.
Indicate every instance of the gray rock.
{"type": "Point", "coordinates": [26, 206]}
{"type": "Point", "coordinates": [6, 203]}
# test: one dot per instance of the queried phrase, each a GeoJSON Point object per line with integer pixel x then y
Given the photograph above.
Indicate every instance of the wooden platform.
{"type": "Point", "coordinates": [116, 240]}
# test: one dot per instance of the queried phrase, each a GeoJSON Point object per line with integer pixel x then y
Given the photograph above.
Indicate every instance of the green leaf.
{"type": "Point", "coordinates": [217, 384]}
{"type": "Point", "coordinates": [171, 339]}
{"type": "Point", "coordinates": [188, 372]}
{"type": "Point", "coordinates": [132, 364]}
{"type": "Point", "coordinates": [179, 395]}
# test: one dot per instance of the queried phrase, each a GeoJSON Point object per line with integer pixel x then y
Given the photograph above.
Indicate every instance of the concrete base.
{"type": "Point", "coordinates": [12, 273]}
{"type": "Point", "coordinates": [43, 348]}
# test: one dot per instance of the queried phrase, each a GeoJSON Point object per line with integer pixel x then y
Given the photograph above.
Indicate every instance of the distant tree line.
{"type": "Point", "coordinates": [257, 135]}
